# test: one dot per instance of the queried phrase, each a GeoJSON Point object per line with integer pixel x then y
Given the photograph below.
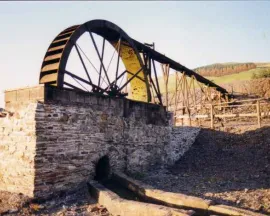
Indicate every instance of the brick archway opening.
{"type": "Point", "coordinates": [103, 169]}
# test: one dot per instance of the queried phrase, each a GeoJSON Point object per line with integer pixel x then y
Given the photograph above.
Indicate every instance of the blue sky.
{"type": "Point", "coordinates": [193, 33]}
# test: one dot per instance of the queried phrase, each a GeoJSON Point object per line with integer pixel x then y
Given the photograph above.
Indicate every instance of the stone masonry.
{"type": "Point", "coordinates": [52, 139]}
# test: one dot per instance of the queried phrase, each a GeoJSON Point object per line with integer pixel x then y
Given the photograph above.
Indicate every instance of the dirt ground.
{"type": "Point", "coordinates": [231, 167]}
{"type": "Point", "coordinates": [78, 203]}
{"type": "Point", "coordinates": [228, 167]}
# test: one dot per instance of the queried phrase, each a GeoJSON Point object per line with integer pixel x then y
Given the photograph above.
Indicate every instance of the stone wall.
{"type": "Point", "coordinates": [181, 139]}
{"type": "Point", "coordinates": [69, 132]}
{"type": "Point", "coordinates": [17, 150]}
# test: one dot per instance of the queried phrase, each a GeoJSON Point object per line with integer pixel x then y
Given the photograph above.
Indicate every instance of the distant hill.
{"type": "Point", "coordinates": [263, 64]}
{"type": "Point", "coordinates": [232, 78]}
{"type": "Point", "coordinates": [222, 69]}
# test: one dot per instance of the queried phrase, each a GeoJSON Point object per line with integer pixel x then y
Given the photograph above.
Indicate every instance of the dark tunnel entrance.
{"type": "Point", "coordinates": [103, 169]}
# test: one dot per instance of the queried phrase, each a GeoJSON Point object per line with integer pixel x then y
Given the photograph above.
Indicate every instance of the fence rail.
{"type": "Point", "coordinates": [210, 111]}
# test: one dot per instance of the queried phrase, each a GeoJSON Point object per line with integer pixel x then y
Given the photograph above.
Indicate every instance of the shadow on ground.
{"type": "Point", "coordinates": [226, 167]}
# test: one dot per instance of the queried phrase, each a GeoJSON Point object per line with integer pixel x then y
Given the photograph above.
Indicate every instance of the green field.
{"type": "Point", "coordinates": [245, 75]}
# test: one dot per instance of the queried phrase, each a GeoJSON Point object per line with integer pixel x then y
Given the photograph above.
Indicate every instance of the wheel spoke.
{"type": "Point", "coordinates": [100, 59]}
{"type": "Point", "coordinates": [89, 61]}
{"type": "Point", "coordinates": [121, 80]}
{"type": "Point", "coordinates": [83, 80]}
{"type": "Point", "coordinates": [86, 71]}
{"type": "Point", "coordinates": [117, 66]}
{"type": "Point", "coordinates": [110, 62]}
{"type": "Point", "coordinates": [136, 76]}
{"type": "Point", "coordinates": [121, 75]}
{"type": "Point", "coordinates": [129, 80]}
{"type": "Point", "coordinates": [102, 55]}
{"type": "Point", "coordinates": [72, 86]}
{"type": "Point", "coordinates": [78, 78]}
{"type": "Point", "coordinates": [80, 84]}
{"type": "Point", "coordinates": [117, 45]}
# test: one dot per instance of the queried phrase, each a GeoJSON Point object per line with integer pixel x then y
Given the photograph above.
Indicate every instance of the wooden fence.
{"type": "Point", "coordinates": [225, 111]}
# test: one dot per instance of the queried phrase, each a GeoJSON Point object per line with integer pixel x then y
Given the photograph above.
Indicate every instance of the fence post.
{"type": "Point", "coordinates": [259, 113]}
{"type": "Point", "coordinates": [219, 101]}
{"type": "Point", "coordinates": [224, 112]}
{"type": "Point", "coordinates": [189, 118]}
{"type": "Point", "coordinates": [212, 116]}
{"type": "Point", "coordinates": [174, 118]}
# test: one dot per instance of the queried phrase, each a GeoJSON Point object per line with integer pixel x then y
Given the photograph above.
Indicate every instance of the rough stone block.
{"type": "Point", "coordinates": [168, 198]}
{"type": "Point", "coordinates": [80, 98]}
{"type": "Point", "coordinates": [23, 95]}
{"type": "Point", "coordinates": [10, 96]}
{"type": "Point", "coordinates": [37, 93]}
{"type": "Point", "coordinates": [123, 207]}
{"type": "Point", "coordinates": [229, 210]}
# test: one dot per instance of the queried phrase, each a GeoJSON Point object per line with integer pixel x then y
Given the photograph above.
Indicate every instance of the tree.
{"type": "Point", "coordinates": [265, 73]}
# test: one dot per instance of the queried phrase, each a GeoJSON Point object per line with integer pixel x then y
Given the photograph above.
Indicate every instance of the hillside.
{"type": "Point", "coordinates": [244, 75]}
{"type": "Point", "coordinates": [218, 69]}
{"type": "Point", "coordinates": [224, 80]}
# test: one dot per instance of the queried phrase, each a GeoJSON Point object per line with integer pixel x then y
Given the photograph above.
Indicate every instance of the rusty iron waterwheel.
{"type": "Point", "coordinates": [78, 59]}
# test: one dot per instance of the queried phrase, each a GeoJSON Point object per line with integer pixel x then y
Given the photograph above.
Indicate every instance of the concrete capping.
{"type": "Point", "coordinates": [23, 88]}
{"type": "Point", "coordinates": [24, 94]}
{"type": "Point", "coordinates": [53, 93]}
{"type": "Point", "coordinates": [122, 207]}
{"type": "Point", "coordinates": [178, 199]}
{"type": "Point", "coordinates": [153, 113]}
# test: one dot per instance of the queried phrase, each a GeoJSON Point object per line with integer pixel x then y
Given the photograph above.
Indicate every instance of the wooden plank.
{"type": "Point", "coordinates": [51, 57]}
{"type": "Point", "coordinates": [49, 78]}
{"type": "Point", "coordinates": [193, 117]}
{"type": "Point", "coordinates": [241, 101]}
{"type": "Point", "coordinates": [236, 115]}
{"type": "Point", "coordinates": [56, 48]}
{"type": "Point", "coordinates": [212, 116]}
{"type": "Point", "coordinates": [63, 39]}
{"type": "Point", "coordinates": [50, 67]}
{"type": "Point", "coordinates": [242, 105]}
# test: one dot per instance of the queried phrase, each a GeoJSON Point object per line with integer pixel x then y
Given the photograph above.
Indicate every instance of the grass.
{"type": "Point", "coordinates": [245, 75]}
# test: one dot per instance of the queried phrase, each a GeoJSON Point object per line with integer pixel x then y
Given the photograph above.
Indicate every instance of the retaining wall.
{"type": "Point", "coordinates": [52, 139]}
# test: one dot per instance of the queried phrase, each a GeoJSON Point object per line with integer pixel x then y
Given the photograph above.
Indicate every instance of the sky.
{"type": "Point", "coordinates": [194, 33]}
